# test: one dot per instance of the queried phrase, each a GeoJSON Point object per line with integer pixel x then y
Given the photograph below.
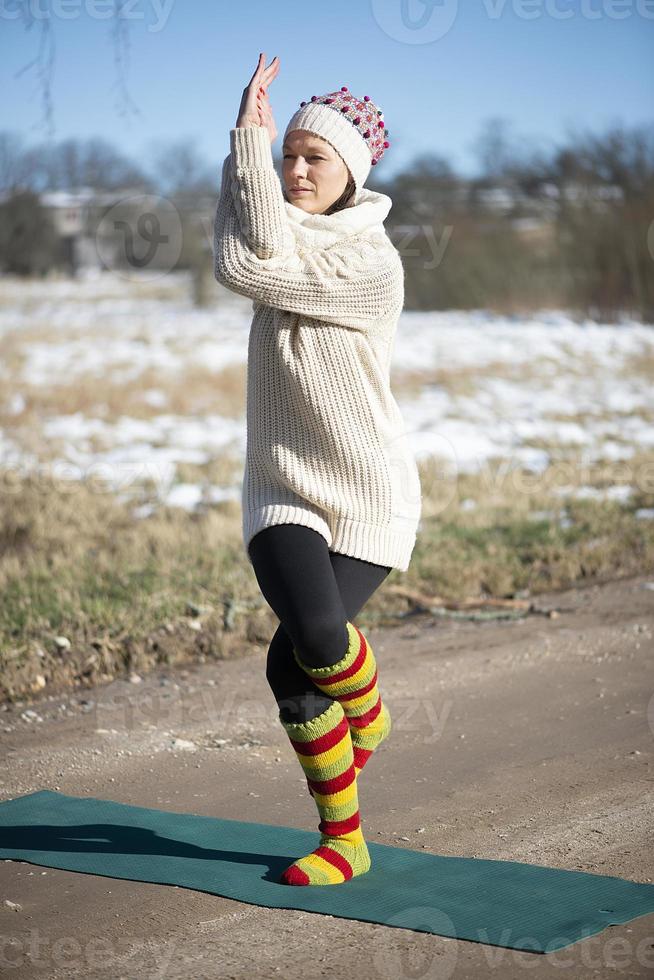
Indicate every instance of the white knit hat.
{"type": "Point", "coordinates": [354, 127]}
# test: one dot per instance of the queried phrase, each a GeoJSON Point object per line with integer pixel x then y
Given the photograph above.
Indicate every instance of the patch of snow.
{"type": "Point", "coordinates": [575, 391]}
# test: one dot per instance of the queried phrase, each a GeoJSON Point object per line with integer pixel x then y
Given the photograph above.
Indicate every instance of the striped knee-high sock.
{"type": "Point", "coordinates": [324, 750]}
{"type": "Point", "coordinates": [352, 681]}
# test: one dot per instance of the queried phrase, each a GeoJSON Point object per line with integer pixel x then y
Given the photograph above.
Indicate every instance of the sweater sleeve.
{"type": "Point", "coordinates": [356, 283]}
{"type": "Point", "coordinates": [257, 193]}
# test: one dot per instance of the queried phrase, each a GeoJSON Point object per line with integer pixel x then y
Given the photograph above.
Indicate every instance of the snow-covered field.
{"type": "Point", "coordinates": [519, 389]}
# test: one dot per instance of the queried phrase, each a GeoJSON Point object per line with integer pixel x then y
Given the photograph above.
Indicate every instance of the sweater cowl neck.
{"type": "Point", "coordinates": [366, 217]}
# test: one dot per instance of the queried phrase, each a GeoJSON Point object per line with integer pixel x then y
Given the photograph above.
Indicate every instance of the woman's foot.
{"type": "Point", "coordinates": [335, 860]}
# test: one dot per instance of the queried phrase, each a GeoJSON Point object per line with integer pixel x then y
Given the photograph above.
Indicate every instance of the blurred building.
{"type": "Point", "coordinates": [69, 211]}
{"type": "Point", "coordinates": [89, 242]}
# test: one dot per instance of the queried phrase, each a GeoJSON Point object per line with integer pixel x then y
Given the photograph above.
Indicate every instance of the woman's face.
{"type": "Point", "coordinates": [313, 163]}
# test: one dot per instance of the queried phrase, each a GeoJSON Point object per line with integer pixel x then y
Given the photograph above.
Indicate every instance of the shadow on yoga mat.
{"type": "Point", "coordinates": [501, 903]}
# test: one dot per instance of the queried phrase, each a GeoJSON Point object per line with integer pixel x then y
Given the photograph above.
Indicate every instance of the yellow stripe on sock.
{"type": "Point", "coordinates": [342, 798]}
{"type": "Point", "coordinates": [332, 874]}
{"type": "Point", "coordinates": [330, 758]}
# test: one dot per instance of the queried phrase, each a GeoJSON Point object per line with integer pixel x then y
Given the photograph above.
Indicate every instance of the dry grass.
{"type": "Point", "coordinates": [515, 532]}
{"type": "Point", "coordinates": [76, 563]}
{"type": "Point", "coordinates": [464, 381]}
{"type": "Point", "coordinates": [194, 390]}
{"type": "Point", "coordinates": [638, 365]}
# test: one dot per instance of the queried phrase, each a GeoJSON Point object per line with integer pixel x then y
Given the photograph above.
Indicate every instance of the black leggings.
{"type": "Point", "coordinates": [313, 592]}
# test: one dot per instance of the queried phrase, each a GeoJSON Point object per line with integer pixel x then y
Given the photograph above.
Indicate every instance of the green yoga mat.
{"type": "Point", "coordinates": [501, 903]}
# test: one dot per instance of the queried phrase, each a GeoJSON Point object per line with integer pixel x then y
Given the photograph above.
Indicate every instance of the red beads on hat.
{"type": "Point", "coordinates": [343, 100]}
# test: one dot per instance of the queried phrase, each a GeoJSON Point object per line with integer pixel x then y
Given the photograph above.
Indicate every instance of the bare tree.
{"type": "Point", "coordinates": [181, 169]}
{"type": "Point", "coordinates": [90, 163]}
{"type": "Point", "coordinates": [15, 169]}
{"type": "Point", "coordinates": [43, 64]}
{"type": "Point", "coordinates": [494, 148]}
{"type": "Point", "coordinates": [65, 165]}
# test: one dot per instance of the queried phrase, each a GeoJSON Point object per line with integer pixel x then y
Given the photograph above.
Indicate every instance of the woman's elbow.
{"type": "Point", "coordinates": [219, 274]}
{"type": "Point", "coordinates": [232, 278]}
{"type": "Point", "coordinates": [223, 270]}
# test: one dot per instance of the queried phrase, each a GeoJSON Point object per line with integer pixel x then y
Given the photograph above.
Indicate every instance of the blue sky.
{"type": "Point", "coordinates": [438, 70]}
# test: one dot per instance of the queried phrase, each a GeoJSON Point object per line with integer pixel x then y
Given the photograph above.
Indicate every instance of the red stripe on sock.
{"type": "Point", "coordinates": [361, 756]}
{"type": "Point", "coordinates": [335, 859]}
{"type": "Point", "coordinates": [361, 721]}
{"type": "Point", "coordinates": [360, 691]}
{"type": "Point", "coordinates": [323, 742]}
{"type": "Point", "coordinates": [334, 785]}
{"type": "Point", "coordinates": [336, 828]}
{"type": "Point", "coordinates": [295, 876]}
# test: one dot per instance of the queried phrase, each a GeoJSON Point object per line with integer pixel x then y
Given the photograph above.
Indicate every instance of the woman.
{"type": "Point", "coordinates": [331, 495]}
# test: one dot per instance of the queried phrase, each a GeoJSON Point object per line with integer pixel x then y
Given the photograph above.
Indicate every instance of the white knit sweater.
{"type": "Point", "coordinates": [326, 443]}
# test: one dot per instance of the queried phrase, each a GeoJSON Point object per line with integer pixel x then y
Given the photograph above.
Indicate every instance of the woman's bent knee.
{"type": "Point", "coordinates": [322, 644]}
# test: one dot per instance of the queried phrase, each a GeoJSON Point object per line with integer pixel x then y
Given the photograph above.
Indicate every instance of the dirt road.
{"type": "Point", "coordinates": [529, 740]}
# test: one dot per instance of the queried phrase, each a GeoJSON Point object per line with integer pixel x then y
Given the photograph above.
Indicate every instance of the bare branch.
{"type": "Point", "coordinates": [120, 35]}
{"type": "Point", "coordinates": [44, 62]}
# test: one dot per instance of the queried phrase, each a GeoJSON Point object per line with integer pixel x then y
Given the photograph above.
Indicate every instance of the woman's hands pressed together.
{"type": "Point", "coordinates": [255, 108]}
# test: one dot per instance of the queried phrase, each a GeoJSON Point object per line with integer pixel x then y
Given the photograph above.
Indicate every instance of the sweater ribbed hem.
{"type": "Point", "coordinates": [271, 514]}
{"type": "Point", "coordinates": [251, 147]}
{"type": "Point", "coordinates": [389, 546]}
